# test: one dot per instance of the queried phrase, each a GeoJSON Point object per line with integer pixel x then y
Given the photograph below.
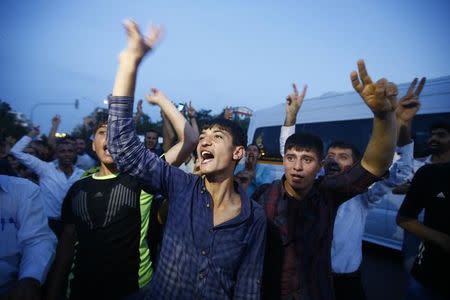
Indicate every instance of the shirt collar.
{"type": "Point", "coordinates": [246, 206]}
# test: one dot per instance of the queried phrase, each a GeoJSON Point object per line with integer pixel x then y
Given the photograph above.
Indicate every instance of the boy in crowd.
{"type": "Point", "coordinates": [213, 245]}
{"type": "Point", "coordinates": [301, 209]}
{"type": "Point", "coordinates": [346, 252]}
{"type": "Point", "coordinates": [107, 213]}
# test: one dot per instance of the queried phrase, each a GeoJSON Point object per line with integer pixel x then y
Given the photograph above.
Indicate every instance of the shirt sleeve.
{"type": "Point", "coordinates": [133, 158]}
{"type": "Point", "coordinates": [402, 170]}
{"type": "Point", "coordinates": [348, 184]}
{"type": "Point", "coordinates": [285, 133]}
{"type": "Point", "coordinates": [35, 239]}
{"type": "Point", "coordinates": [249, 277]}
{"type": "Point", "coordinates": [415, 198]}
{"type": "Point", "coordinates": [30, 161]}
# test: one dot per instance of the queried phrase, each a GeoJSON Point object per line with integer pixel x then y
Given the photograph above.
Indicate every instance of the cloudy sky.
{"type": "Point", "coordinates": [214, 53]}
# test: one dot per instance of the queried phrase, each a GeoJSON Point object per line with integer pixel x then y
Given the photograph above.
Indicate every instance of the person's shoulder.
{"type": "Point", "coordinates": [430, 169]}
{"type": "Point", "coordinates": [265, 188]}
{"type": "Point", "coordinates": [17, 184]}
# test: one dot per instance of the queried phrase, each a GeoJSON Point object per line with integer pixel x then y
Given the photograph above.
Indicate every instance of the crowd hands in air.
{"type": "Point", "coordinates": [184, 219]}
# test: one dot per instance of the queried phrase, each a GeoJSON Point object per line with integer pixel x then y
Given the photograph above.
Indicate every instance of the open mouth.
{"type": "Point", "coordinates": [206, 156]}
{"type": "Point", "coordinates": [105, 148]}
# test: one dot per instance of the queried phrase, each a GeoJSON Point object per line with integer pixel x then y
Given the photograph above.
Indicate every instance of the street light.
{"type": "Point", "coordinates": [76, 103]}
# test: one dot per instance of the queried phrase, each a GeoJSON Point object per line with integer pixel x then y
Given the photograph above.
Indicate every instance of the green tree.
{"type": "Point", "coordinates": [10, 125]}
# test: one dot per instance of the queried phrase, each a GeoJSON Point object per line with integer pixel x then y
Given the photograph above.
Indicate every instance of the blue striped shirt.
{"type": "Point", "coordinates": [197, 259]}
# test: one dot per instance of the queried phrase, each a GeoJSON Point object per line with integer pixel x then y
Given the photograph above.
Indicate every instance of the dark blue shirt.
{"type": "Point", "coordinates": [197, 259]}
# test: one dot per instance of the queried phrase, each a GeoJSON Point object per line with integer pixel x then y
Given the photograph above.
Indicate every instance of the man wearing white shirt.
{"type": "Point", "coordinates": [55, 178]}
{"type": "Point", "coordinates": [27, 244]}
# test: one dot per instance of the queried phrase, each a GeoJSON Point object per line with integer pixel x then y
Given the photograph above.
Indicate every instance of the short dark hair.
{"type": "Point", "coordinates": [252, 145]}
{"type": "Point", "coordinates": [152, 130]}
{"type": "Point", "coordinates": [101, 119]}
{"type": "Point", "coordinates": [239, 137]}
{"type": "Point", "coordinates": [440, 125]}
{"type": "Point", "coordinates": [344, 145]}
{"type": "Point", "coordinates": [305, 141]}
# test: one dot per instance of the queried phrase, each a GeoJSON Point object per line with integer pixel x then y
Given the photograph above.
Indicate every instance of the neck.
{"type": "Point", "coordinates": [106, 170]}
{"type": "Point", "coordinates": [221, 189]}
{"type": "Point", "coordinates": [298, 194]}
{"type": "Point", "coordinates": [440, 158]}
{"type": "Point", "coordinates": [67, 169]}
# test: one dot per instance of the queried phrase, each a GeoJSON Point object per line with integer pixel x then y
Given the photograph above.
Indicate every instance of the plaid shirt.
{"type": "Point", "coordinates": [300, 234]}
{"type": "Point", "coordinates": [197, 259]}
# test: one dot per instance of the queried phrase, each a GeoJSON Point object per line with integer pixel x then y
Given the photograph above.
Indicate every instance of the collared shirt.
{"type": "Point", "coordinates": [85, 162]}
{"type": "Point", "coordinates": [27, 244]}
{"type": "Point", "coordinates": [197, 259]}
{"type": "Point", "coordinates": [262, 175]}
{"type": "Point", "coordinates": [53, 181]}
{"type": "Point", "coordinates": [305, 229]}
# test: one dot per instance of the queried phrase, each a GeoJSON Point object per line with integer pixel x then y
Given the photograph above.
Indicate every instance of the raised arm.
{"type": "Point", "coordinates": [168, 133]}
{"type": "Point", "coordinates": [30, 161]}
{"type": "Point", "coordinates": [187, 138]}
{"type": "Point", "coordinates": [192, 116]}
{"type": "Point", "coordinates": [139, 112]}
{"type": "Point", "coordinates": [293, 103]}
{"type": "Point", "coordinates": [130, 58]}
{"type": "Point", "coordinates": [56, 120]}
{"type": "Point", "coordinates": [381, 98]}
{"type": "Point", "coordinates": [407, 108]}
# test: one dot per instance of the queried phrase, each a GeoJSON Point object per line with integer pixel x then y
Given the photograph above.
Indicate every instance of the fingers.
{"type": "Point", "coordinates": [420, 87]}
{"type": "Point", "coordinates": [411, 87]}
{"type": "Point", "coordinates": [355, 82]}
{"type": "Point", "coordinates": [154, 36]}
{"type": "Point", "coordinates": [365, 78]}
{"type": "Point", "coordinates": [391, 93]}
{"type": "Point", "coordinates": [380, 89]}
{"type": "Point", "coordinates": [294, 86]}
{"type": "Point", "coordinates": [305, 88]}
{"type": "Point", "coordinates": [132, 28]}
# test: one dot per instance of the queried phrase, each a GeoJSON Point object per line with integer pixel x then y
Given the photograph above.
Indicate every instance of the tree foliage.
{"type": "Point", "coordinates": [10, 125]}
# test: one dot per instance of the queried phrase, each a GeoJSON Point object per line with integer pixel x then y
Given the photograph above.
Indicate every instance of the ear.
{"type": "Point", "coordinates": [238, 153]}
{"type": "Point", "coordinates": [93, 146]}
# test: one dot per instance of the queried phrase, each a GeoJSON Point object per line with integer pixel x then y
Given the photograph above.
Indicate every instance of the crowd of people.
{"type": "Point", "coordinates": [126, 219]}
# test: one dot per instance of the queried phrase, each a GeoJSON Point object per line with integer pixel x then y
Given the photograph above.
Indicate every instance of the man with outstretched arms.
{"type": "Point", "coordinates": [213, 245]}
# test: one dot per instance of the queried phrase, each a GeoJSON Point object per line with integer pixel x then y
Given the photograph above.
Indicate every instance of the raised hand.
{"type": "Point", "coordinates": [228, 113]}
{"type": "Point", "coordinates": [409, 105]}
{"type": "Point", "coordinates": [293, 103]}
{"type": "Point", "coordinates": [380, 97]}
{"type": "Point", "coordinates": [139, 109]}
{"type": "Point", "coordinates": [138, 45]}
{"type": "Point", "coordinates": [56, 120]}
{"type": "Point", "coordinates": [156, 97]}
{"type": "Point", "coordinates": [34, 132]}
{"type": "Point", "coordinates": [191, 112]}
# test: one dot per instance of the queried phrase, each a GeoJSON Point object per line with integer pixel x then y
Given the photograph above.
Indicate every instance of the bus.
{"type": "Point", "coordinates": [344, 116]}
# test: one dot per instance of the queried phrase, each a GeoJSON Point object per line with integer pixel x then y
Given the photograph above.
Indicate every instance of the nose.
{"type": "Point", "coordinates": [298, 166]}
{"type": "Point", "coordinates": [206, 141]}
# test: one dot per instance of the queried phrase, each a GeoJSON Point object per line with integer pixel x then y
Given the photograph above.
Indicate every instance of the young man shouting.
{"type": "Point", "coordinates": [213, 245]}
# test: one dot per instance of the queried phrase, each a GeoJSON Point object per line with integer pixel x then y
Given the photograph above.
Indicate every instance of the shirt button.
{"type": "Point", "coordinates": [202, 274]}
{"type": "Point", "coordinates": [207, 205]}
{"type": "Point", "coordinates": [203, 252]}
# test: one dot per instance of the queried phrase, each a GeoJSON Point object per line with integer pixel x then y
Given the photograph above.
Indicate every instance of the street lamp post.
{"type": "Point", "coordinates": [76, 104]}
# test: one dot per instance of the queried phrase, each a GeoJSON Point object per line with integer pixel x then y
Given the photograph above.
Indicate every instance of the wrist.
{"type": "Point", "coordinates": [289, 121]}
